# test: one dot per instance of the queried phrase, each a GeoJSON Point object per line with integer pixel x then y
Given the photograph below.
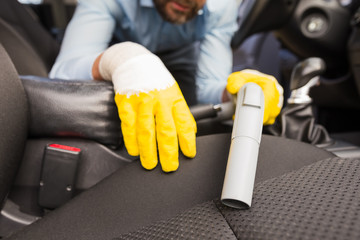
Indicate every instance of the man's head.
{"type": "Point", "coordinates": [178, 11]}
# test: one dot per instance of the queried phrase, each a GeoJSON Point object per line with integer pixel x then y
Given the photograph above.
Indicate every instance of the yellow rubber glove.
{"type": "Point", "coordinates": [153, 112]}
{"type": "Point", "coordinates": [273, 92]}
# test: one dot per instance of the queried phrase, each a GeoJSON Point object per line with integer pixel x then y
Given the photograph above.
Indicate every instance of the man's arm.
{"type": "Point", "coordinates": [215, 60]}
{"type": "Point", "coordinates": [95, 68]}
{"type": "Point", "coordinates": [215, 66]}
{"type": "Point", "coordinates": [87, 35]}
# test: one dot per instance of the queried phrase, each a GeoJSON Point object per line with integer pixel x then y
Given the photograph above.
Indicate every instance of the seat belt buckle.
{"type": "Point", "coordinates": [58, 175]}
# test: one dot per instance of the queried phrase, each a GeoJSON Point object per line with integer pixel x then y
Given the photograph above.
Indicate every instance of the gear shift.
{"type": "Point", "coordinates": [304, 76]}
{"type": "Point", "coordinates": [297, 118]}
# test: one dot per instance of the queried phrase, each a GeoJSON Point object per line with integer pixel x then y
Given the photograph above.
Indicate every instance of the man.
{"type": "Point", "coordinates": [170, 28]}
{"type": "Point", "coordinates": [154, 115]}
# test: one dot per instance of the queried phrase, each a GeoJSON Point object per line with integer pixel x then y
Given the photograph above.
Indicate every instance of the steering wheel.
{"type": "Point", "coordinates": [262, 15]}
{"type": "Point", "coordinates": [306, 28]}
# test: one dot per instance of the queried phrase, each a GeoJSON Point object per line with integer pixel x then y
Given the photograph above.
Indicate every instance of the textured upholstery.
{"type": "Point", "coordinates": [201, 222]}
{"type": "Point", "coordinates": [13, 123]}
{"type": "Point", "coordinates": [319, 201]}
{"type": "Point", "coordinates": [133, 197]}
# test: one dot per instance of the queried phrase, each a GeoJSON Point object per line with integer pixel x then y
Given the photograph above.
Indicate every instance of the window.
{"type": "Point", "coordinates": [30, 1]}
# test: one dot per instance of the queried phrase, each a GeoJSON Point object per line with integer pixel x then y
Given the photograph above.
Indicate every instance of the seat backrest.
{"type": "Point", "coordinates": [23, 22]}
{"type": "Point", "coordinates": [25, 58]}
{"type": "Point", "coordinates": [13, 123]}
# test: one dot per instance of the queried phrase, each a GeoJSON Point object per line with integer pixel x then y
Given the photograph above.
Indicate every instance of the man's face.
{"type": "Point", "coordinates": [178, 11]}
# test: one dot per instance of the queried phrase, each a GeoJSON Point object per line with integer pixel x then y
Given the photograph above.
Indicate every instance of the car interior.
{"type": "Point", "coordinates": [65, 173]}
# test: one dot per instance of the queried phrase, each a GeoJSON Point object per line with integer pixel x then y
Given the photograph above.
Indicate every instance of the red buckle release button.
{"type": "Point", "coordinates": [64, 147]}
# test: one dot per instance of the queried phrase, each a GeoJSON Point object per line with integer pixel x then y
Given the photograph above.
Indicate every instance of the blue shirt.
{"type": "Point", "coordinates": [96, 21]}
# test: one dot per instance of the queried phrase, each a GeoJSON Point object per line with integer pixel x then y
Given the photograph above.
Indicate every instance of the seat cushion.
{"type": "Point", "coordinates": [319, 201]}
{"type": "Point", "coordinates": [134, 197]}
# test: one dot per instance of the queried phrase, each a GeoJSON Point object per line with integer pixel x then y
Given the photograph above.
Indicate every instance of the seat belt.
{"type": "Point", "coordinates": [60, 18]}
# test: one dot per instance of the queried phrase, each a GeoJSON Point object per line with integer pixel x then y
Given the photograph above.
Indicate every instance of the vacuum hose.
{"type": "Point", "coordinates": [244, 149]}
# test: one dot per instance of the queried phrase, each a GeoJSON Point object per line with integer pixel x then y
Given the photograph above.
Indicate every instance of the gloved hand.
{"type": "Point", "coordinates": [153, 112]}
{"type": "Point", "coordinates": [273, 92]}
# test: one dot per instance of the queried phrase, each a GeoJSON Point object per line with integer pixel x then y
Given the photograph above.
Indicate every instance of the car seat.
{"type": "Point", "coordinates": [296, 185]}
{"type": "Point", "coordinates": [301, 192]}
{"type": "Point", "coordinates": [13, 123]}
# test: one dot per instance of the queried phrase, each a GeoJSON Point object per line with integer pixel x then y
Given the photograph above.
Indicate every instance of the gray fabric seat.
{"type": "Point", "coordinates": [319, 201]}
{"type": "Point", "coordinates": [13, 123]}
{"type": "Point", "coordinates": [301, 191]}
{"type": "Point", "coordinates": [133, 197]}
{"type": "Point", "coordinates": [295, 179]}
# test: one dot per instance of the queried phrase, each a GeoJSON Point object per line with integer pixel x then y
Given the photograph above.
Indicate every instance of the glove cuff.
{"type": "Point", "coordinates": [134, 69]}
{"type": "Point", "coordinates": [116, 55]}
